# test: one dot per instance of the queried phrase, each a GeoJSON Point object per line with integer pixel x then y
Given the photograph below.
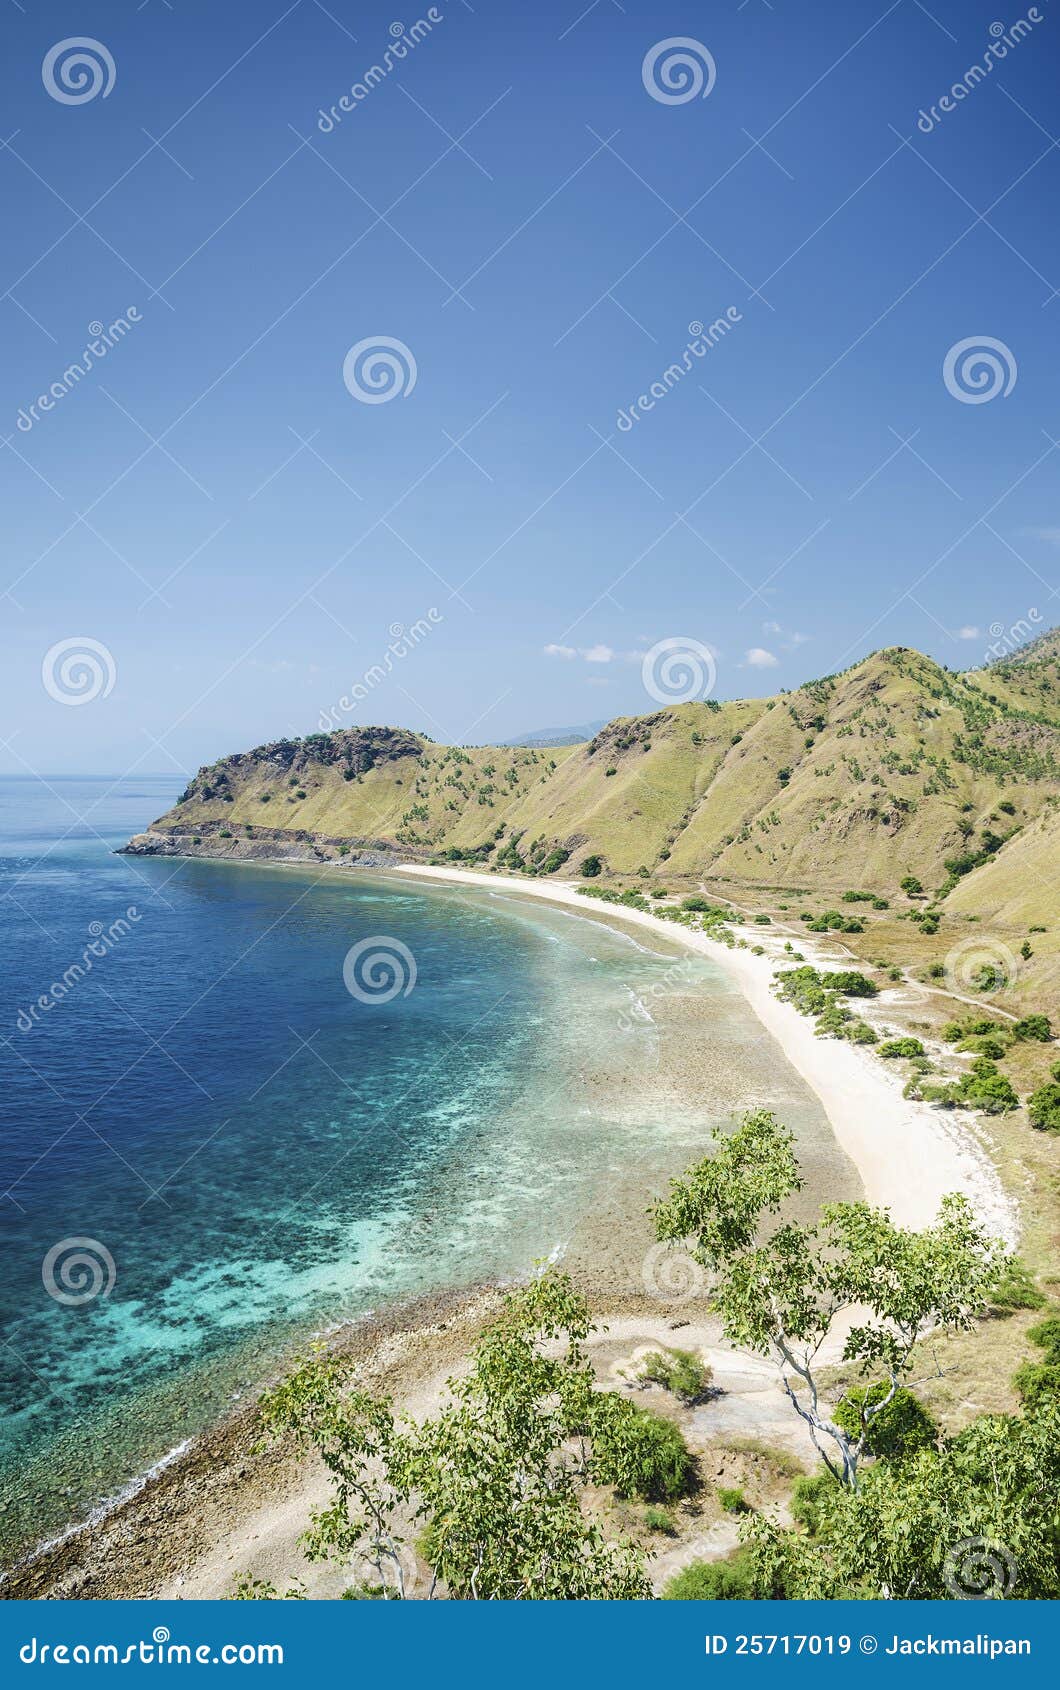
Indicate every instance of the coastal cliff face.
{"type": "Point", "coordinates": [896, 767]}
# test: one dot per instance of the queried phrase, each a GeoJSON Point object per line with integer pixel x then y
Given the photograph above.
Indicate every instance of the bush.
{"type": "Point", "coordinates": [659, 1520]}
{"type": "Point", "coordinates": [638, 1453]}
{"type": "Point", "coordinates": [899, 1429]}
{"type": "Point", "coordinates": [733, 1500]}
{"type": "Point", "coordinates": [1015, 1288]}
{"type": "Point", "coordinates": [1034, 1027]}
{"type": "Point", "coordinates": [1043, 1108]}
{"type": "Point", "coordinates": [763, 921]}
{"type": "Point", "coordinates": [806, 1498]}
{"type": "Point", "coordinates": [849, 983]}
{"type": "Point", "coordinates": [901, 1047]}
{"type": "Point", "coordinates": [911, 885]}
{"type": "Point", "coordinates": [679, 1371]}
{"type": "Point", "coordinates": [591, 867]}
{"type": "Point", "coordinates": [1038, 1382]}
{"type": "Point", "coordinates": [697, 903]}
{"type": "Point", "coordinates": [712, 1581]}
{"type": "Point", "coordinates": [985, 1044]}
{"type": "Point", "coordinates": [971, 1027]}
{"type": "Point", "coordinates": [1046, 1334]}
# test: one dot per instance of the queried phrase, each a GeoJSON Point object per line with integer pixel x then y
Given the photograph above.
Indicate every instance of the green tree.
{"type": "Point", "coordinates": [978, 1518]}
{"type": "Point", "coordinates": [491, 1486]}
{"type": "Point", "coordinates": [855, 1272]}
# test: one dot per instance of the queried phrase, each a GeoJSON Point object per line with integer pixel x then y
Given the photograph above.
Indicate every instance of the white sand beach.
{"type": "Point", "coordinates": [909, 1155]}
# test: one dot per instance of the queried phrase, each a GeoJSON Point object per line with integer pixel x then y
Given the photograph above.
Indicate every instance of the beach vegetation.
{"type": "Point", "coordinates": [782, 1295]}
{"type": "Point", "coordinates": [973, 1516]}
{"type": "Point", "coordinates": [1034, 1027]}
{"type": "Point", "coordinates": [901, 1047]}
{"type": "Point", "coordinates": [1043, 1108]}
{"type": "Point", "coordinates": [680, 1371]}
{"type": "Point", "coordinates": [732, 1499]}
{"type": "Point", "coordinates": [591, 867]}
{"type": "Point", "coordinates": [712, 1581]}
{"type": "Point", "coordinates": [494, 1479]}
{"type": "Point", "coordinates": [901, 1426]}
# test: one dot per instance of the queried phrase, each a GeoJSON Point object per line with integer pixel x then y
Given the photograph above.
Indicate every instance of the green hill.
{"type": "Point", "coordinates": [895, 767]}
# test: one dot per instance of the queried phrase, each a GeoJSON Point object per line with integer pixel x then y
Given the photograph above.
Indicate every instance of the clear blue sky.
{"type": "Point", "coordinates": [514, 206]}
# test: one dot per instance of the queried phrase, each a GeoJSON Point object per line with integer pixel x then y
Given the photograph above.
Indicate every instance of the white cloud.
{"type": "Point", "coordinates": [594, 654]}
{"type": "Point", "coordinates": [759, 658]}
{"type": "Point", "coordinates": [968, 632]}
{"type": "Point", "coordinates": [1051, 536]}
{"type": "Point", "coordinates": [790, 638]}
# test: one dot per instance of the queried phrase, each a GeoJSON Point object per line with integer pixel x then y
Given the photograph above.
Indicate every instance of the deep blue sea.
{"type": "Point", "coordinates": [211, 1148]}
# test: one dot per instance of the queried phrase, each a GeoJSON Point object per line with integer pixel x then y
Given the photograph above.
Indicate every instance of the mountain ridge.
{"type": "Point", "coordinates": [895, 767]}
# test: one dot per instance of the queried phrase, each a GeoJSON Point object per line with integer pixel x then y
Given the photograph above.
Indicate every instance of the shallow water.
{"type": "Point", "coordinates": [254, 1153]}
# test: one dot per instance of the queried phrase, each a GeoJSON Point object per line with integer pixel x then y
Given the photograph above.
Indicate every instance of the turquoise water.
{"type": "Point", "coordinates": [252, 1152]}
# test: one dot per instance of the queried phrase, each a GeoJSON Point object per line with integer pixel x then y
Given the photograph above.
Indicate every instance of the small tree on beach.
{"type": "Point", "coordinates": [875, 1289]}
{"type": "Point", "coordinates": [492, 1485]}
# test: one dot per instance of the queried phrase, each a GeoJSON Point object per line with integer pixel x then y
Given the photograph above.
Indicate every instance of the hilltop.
{"type": "Point", "coordinates": [892, 769]}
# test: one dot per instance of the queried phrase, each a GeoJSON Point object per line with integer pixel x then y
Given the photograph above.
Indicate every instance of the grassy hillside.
{"type": "Point", "coordinates": [895, 768]}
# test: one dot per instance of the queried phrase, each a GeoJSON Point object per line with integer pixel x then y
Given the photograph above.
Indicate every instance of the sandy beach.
{"type": "Point", "coordinates": [908, 1155]}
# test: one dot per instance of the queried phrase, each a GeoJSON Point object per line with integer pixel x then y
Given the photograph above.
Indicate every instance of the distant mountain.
{"type": "Point", "coordinates": [557, 736]}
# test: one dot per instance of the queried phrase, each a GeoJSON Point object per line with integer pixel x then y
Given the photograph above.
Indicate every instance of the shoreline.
{"type": "Point", "coordinates": [172, 1533]}
{"type": "Point", "coordinates": [908, 1155]}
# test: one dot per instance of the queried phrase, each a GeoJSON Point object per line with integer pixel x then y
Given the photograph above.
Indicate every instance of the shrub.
{"type": "Point", "coordinates": [970, 1027]}
{"type": "Point", "coordinates": [763, 921]}
{"type": "Point", "coordinates": [733, 1500]}
{"type": "Point", "coordinates": [1038, 1382]}
{"type": "Point", "coordinates": [806, 1498]}
{"type": "Point", "coordinates": [899, 1429]}
{"type": "Point", "coordinates": [712, 1581]}
{"type": "Point", "coordinates": [1015, 1289]}
{"type": "Point", "coordinates": [591, 867]}
{"type": "Point", "coordinates": [696, 901]}
{"type": "Point", "coordinates": [639, 1453]}
{"type": "Point", "coordinates": [659, 1520]}
{"type": "Point", "coordinates": [901, 1047]}
{"type": "Point", "coordinates": [911, 885]}
{"type": "Point", "coordinates": [985, 1044]}
{"type": "Point", "coordinates": [1043, 1108]}
{"type": "Point", "coordinates": [679, 1371]}
{"type": "Point", "coordinates": [850, 983]}
{"type": "Point", "coordinates": [1034, 1027]}
{"type": "Point", "coordinates": [880, 904]}
{"type": "Point", "coordinates": [1046, 1334]}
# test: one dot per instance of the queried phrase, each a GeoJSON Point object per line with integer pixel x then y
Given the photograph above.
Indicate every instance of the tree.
{"type": "Point", "coordinates": [976, 1518]}
{"type": "Point", "coordinates": [784, 1295]}
{"type": "Point", "coordinates": [492, 1485]}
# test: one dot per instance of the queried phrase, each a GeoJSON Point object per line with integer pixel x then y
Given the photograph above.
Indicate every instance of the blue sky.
{"type": "Point", "coordinates": [240, 533]}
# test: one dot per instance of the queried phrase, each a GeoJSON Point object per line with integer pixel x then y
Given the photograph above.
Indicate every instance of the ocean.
{"type": "Point", "coordinates": [243, 1104]}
